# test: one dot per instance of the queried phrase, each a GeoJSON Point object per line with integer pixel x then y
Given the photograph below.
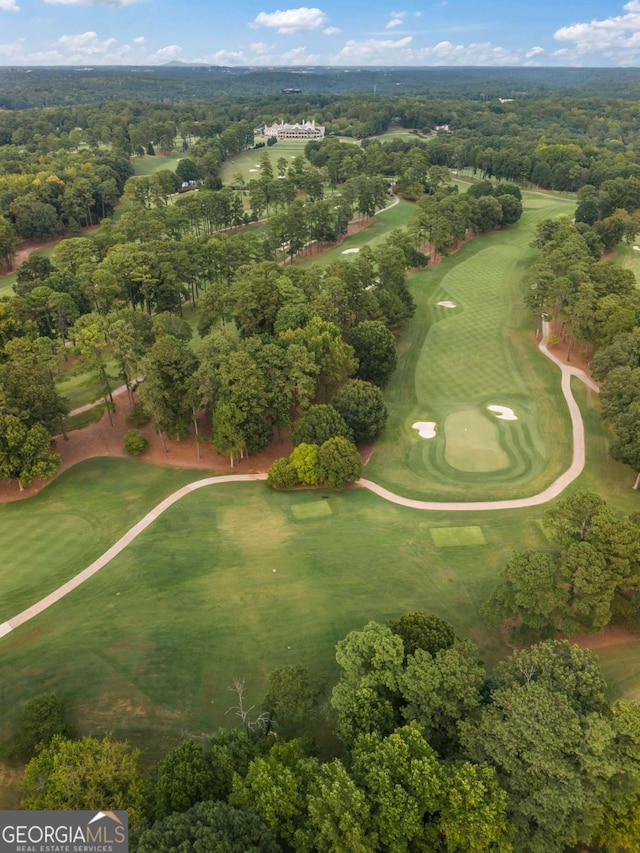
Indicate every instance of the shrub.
{"type": "Point", "coordinates": [338, 463]}
{"type": "Point", "coordinates": [304, 459]}
{"type": "Point", "coordinates": [282, 475]}
{"type": "Point", "coordinates": [134, 442]}
{"type": "Point", "coordinates": [41, 719]}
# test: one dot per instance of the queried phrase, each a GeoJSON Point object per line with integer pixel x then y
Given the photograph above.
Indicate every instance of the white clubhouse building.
{"type": "Point", "coordinates": [302, 130]}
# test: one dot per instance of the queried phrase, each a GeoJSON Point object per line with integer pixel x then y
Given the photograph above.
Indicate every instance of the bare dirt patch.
{"type": "Point", "coordinates": [612, 635]}
{"type": "Point", "coordinates": [27, 247]}
{"type": "Point", "coordinates": [575, 354]}
{"type": "Point", "coordinates": [102, 439]}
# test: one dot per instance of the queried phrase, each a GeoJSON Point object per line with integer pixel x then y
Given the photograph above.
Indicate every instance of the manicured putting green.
{"type": "Point", "coordinates": [453, 537]}
{"type": "Point", "coordinates": [473, 443]}
{"type": "Point", "coordinates": [317, 509]}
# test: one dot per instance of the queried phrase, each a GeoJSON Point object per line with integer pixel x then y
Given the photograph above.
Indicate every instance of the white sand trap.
{"type": "Point", "coordinates": [504, 413]}
{"type": "Point", "coordinates": [426, 429]}
{"type": "Point", "coordinates": [350, 251]}
{"type": "Point", "coordinates": [253, 170]}
{"type": "Point", "coordinates": [448, 304]}
{"type": "Point", "coordinates": [637, 248]}
{"type": "Point", "coordinates": [281, 177]}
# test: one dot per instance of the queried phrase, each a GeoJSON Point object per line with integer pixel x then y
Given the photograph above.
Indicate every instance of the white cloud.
{"type": "Point", "coordinates": [610, 35]}
{"type": "Point", "coordinates": [113, 3]}
{"type": "Point", "coordinates": [419, 14]}
{"type": "Point", "coordinates": [226, 57]}
{"type": "Point", "coordinates": [332, 31]}
{"type": "Point", "coordinates": [139, 40]}
{"type": "Point", "coordinates": [299, 56]}
{"type": "Point", "coordinates": [9, 6]}
{"type": "Point", "coordinates": [12, 48]}
{"type": "Point", "coordinates": [292, 21]}
{"type": "Point", "coordinates": [394, 22]}
{"type": "Point", "coordinates": [371, 50]}
{"type": "Point", "coordinates": [534, 51]}
{"type": "Point", "coordinates": [259, 47]}
{"type": "Point", "coordinates": [166, 54]}
{"type": "Point", "coordinates": [402, 52]}
{"type": "Point", "coordinates": [85, 44]}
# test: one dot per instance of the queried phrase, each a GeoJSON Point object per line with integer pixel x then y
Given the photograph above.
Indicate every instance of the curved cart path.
{"type": "Point", "coordinates": [552, 491]}
{"type": "Point", "coordinates": [119, 546]}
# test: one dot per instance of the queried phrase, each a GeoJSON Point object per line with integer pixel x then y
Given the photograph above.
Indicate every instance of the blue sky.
{"type": "Point", "coordinates": [364, 32]}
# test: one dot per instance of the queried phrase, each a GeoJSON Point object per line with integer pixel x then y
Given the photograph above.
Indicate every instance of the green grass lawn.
{"type": "Point", "coordinates": [454, 362]}
{"type": "Point", "coordinates": [149, 646]}
{"type": "Point", "coordinates": [80, 386]}
{"type": "Point", "coordinates": [402, 134]}
{"type": "Point", "coordinates": [627, 257]}
{"type": "Point", "coordinates": [6, 284]}
{"type": "Point", "coordinates": [247, 161]}
{"type": "Point", "coordinates": [149, 165]}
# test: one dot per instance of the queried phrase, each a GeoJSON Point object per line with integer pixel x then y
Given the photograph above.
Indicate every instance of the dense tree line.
{"type": "Point", "coordinates": [273, 343]}
{"type": "Point", "coordinates": [597, 304]}
{"type": "Point", "coordinates": [560, 143]}
{"type": "Point", "coordinates": [437, 754]}
{"type": "Point", "coordinates": [22, 88]}
{"type": "Point", "coordinates": [592, 579]}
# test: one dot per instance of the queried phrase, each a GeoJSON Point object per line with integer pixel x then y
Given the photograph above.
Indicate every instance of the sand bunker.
{"type": "Point", "coordinates": [253, 170]}
{"type": "Point", "coordinates": [637, 248]}
{"type": "Point", "coordinates": [504, 413]}
{"type": "Point", "coordinates": [448, 304]}
{"type": "Point", "coordinates": [350, 251]}
{"type": "Point", "coordinates": [426, 429]}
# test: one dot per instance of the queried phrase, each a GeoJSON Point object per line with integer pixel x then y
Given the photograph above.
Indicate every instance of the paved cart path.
{"type": "Point", "coordinates": [551, 492]}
